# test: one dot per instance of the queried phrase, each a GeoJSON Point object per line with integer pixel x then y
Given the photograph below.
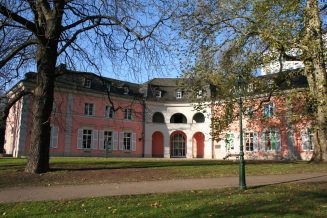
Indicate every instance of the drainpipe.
{"type": "Point", "coordinates": [143, 133]}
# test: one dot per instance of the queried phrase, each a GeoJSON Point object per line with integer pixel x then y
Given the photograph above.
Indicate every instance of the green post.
{"type": "Point", "coordinates": [242, 163]}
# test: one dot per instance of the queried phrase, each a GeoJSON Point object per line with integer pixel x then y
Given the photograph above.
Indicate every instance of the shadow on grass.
{"type": "Point", "coordinates": [107, 165]}
{"type": "Point", "coordinates": [275, 201]}
{"type": "Point", "coordinates": [288, 181]}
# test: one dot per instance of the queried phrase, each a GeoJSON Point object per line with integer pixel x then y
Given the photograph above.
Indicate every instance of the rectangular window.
{"type": "Point", "coordinates": [307, 139]}
{"type": "Point", "coordinates": [158, 94]}
{"type": "Point", "coordinates": [249, 141]}
{"type": "Point", "coordinates": [88, 109]}
{"type": "Point", "coordinates": [87, 83]}
{"type": "Point", "coordinates": [128, 114]}
{"type": "Point", "coordinates": [109, 112]}
{"type": "Point", "coordinates": [250, 87]}
{"type": "Point", "coordinates": [268, 110]}
{"type": "Point", "coordinates": [108, 140]}
{"type": "Point", "coordinates": [126, 90]}
{"type": "Point", "coordinates": [87, 139]}
{"type": "Point", "coordinates": [178, 94]}
{"type": "Point", "coordinates": [54, 137]}
{"type": "Point", "coordinates": [270, 140]}
{"type": "Point", "coordinates": [127, 141]}
{"type": "Point", "coordinates": [199, 94]}
{"type": "Point", "coordinates": [229, 141]}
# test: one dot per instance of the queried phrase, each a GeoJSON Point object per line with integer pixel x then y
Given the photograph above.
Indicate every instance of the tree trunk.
{"type": "Point", "coordinates": [315, 69]}
{"type": "Point", "coordinates": [38, 160]}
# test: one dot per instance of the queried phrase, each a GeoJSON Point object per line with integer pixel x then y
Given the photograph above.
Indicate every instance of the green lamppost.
{"type": "Point", "coordinates": [240, 84]}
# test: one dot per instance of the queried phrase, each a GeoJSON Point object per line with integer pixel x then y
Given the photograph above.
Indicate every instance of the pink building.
{"type": "Point", "coordinates": [83, 122]}
{"type": "Point", "coordinates": [96, 116]}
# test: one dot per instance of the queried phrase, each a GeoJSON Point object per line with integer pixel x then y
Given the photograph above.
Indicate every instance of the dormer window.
{"type": "Point", "coordinates": [158, 94]}
{"type": "Point", "coordinates": [199, 94]}
{"type": "Point", "coordinates": [250, 87]}
{"type": "Point", "coordinates": [87, 83]}
{"type": "Point", "coordinates": [178, 94]}
{"type": "Point", "coordinates": [108, 86]}
{"type": "Point", "coordinates": [126, 90]}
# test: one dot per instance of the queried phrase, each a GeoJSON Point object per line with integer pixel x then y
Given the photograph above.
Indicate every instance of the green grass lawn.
{"type": "Point", "coordinates": [284, 200]}
{"type": "Point", "coordinates": [66, 171]}
{"type": "Point", "coordinates": [185, 167]}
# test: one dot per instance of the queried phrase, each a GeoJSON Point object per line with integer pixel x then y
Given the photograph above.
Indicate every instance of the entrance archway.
{"type": "Point", "coordinates": [157, 144]}
{"type": "Point", "coordinates": [178, 144]}
{"type": "Point", "coordinates": [198, 145]}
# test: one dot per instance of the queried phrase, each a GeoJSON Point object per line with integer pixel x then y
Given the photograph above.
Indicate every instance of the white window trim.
{"type": "Point", "coordinates": [88, 110]}
{"type": "Point", "coordinates": [263, 142]}
{"type": "Point", "coordinates": [255, 141]}
{"type": "Point", "coordinates": [128, 114]}
{"type": "Point", "coordinates": [308, 134]}
{"type": "Point", "coordinates": [94, 139]}
{"type": "Point", "coordinates": [54, 136]}
{"type": "Point", "coordinates": [274, 109]}
{"type": "Point", "coordinates": [158, 93]}
{"type": "Point", "coordinates": [122, 146]}
{"type": "Point", "coordinates": [179, 94]}
{"type": "Point", "coordinates": [87, 83]}
{"type": "Point", "coordinates": [106, 113]}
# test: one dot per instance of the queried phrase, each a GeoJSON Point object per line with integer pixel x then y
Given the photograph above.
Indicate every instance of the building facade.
{"type": "Point", "coordinates": [96, 116]}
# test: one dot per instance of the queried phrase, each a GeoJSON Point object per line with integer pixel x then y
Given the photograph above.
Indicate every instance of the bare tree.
{"type": "Point", "coordinates": [78, 33]}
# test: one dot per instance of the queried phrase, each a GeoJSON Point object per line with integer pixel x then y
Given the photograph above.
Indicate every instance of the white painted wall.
{"type": "Point", "coordinates": [167, 128]}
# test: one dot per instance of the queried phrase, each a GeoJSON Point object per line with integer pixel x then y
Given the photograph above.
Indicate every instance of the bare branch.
{"type": "Point", "coordinates": [12, 15]}
{"type": "Point", "coordinates": [16, 51]}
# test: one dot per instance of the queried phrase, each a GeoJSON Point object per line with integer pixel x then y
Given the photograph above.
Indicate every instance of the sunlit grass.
{"type": "Point", "coordinates": [286, 200]}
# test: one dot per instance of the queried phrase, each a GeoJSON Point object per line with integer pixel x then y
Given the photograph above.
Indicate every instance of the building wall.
{"type": "Point", "coordinates": [287, 130]}
{"type": "Point", "coordinates": [68, 117]}
{"type": "Point", "coordinates": [167, 129]}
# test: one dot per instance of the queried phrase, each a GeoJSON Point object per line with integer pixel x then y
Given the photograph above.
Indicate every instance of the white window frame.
{"type": "Point", "coordinates": [158, 93]}
{"type": "Point", "coordinates": [268, 134]}
{"type": "Point", "coordinates": [89, 109]}
{"type": "Point", "coordinates": [127, 141]}
{"type": "Point", "coordinates": [250, 87]}
{"type": "Point", "coordinates": [232, 148]}
{"type": "Point", "coordinates": [307, 139]}
{"type": "Point", "coordinates": [199, 94]}
{"type": "Point", "coordinates": [54, 134]}
{"type": "Point", "coordinates": [109, 111]}
{"type": "Point", "coordinates": [87, 138]}
{"type": "Point", "coordinates": [251, 138]}
{"type": "Point", "coordinates": [128, 114]}
{"type": "Point", "coordinates": [87, 83]}
{"type": "Point", "coordinates": [126, 90]}
{"type": "Point", "coordinates": [271, 108]}
{"type": "Point", "coordinates": [108, 140]}
{"type": "Point", "coordinates": [179, 94]}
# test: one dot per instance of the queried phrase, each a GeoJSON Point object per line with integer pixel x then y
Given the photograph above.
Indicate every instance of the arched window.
{"type": "Point", "coordinates": [158, 118]}
{"type": "Point", "coordinates": [198, 118]}
{"type": "Point", "coordinates": [178, 118]}
{"type": "Point", "coordinates": [178, 145]}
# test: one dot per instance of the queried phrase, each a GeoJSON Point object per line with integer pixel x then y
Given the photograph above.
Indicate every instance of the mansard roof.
{"type": "Point", "coordinates": [74, 80]}
{"type": "Point", "coordinates": [167, 88]}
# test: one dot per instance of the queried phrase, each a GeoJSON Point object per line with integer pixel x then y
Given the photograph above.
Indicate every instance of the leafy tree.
{"type": "Point", "coordinates": [76, 33]}
{"type": "Point", "coordinates": [240, 36]}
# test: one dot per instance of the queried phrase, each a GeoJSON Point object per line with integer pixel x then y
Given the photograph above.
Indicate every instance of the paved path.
{"type": "Point", "coordinates": [132, 188]}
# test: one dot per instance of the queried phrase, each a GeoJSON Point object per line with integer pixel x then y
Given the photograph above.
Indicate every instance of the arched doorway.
{"type": "Point", "coordinates": [157, 144]}
{"type": "Point", "coordinates": [178, 144]}
{"type": "Point", "coordinates": [198, 145]}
